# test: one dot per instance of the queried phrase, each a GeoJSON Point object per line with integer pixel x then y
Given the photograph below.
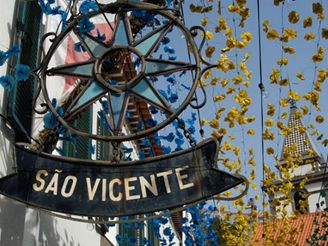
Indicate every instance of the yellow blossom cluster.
{"type": "Point", "coordinates": [232, 94]}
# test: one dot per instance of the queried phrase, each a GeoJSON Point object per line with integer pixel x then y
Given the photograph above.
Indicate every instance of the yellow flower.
{"type": "Point", "coordinates": [271, 110]}
{"type": "Point", "coordinates": [272, 34]}
{"type": "Point", "coordinates": [214, 123]}
{"type": "Point", "coordinates": [246, 37]}
{"type": "Point", "coordinates": [252, 174]}
{"type": "Point", "coordinates": [300, 75]}
{"type": "Point", "coordinates": [231, 116]}
{"type": "Point", "coordinates": [227, 146]}
{"type": "Point", "coordinates": [243, 98]}
{"type": "Point", "coordinates": [231, 42]}
{"type": "Point", "coordinates": [208, 74]}
{"type": "Point", "coordinates": [265, 26]}
{"type": "Point", "coordinates": [222, 131]}
{"type": "Point", "coordinates": [274, 76]}
{"type": "Point", "coordinates": [284, 102]}
{"type": "Point", "coordinates": [319, 119]}
{"type": "Point", "coordinates": [219, 112]}
{"type": "Point", "coordinates": [209, 51]}
{"type": "Point", "coordinates": [270, 151]}
{"type": "Point", "coordinates": [200, 9]}
{"type": "Point", "coordinates": [318, 10]}
{"type": "Point", "coordinates": [214, 81]}
{"type": "Point", "coordinates": [269, 122]}
{"type": "Point", "coordinates": [233, 8]}
{"type": "Point", "coordinates": [289, 50]}
{"type": "Point", "coordinates": [246, 83]}
{"type": "Point", "coordinates": [251, 161]}
{"type": "Point", "coordinates": [282, 61]}
{"type": "Point", "coordinates": [307, 22]}
{"type": "Point", "coordinates": [318, 57]}
{"type": "Point", "coordinates": [226, 193]}
{"type": "Point", "coordinates": [222, 25]}
{"type": "Point", "coordinates": [284, 82]}
{"type": "Point", "coordinates": [243, 67]}
{"type": "Point", "coordinates": [204, 21]}
{"type": "Point", "coordinates": [216, 134]}
{"type": "Point", "coordinates": [324, 33]}
{"type": "Point", "coordinates": [289, 33]}
{"type": "Point", "coordinates": [293, 17]}
{"type": "Point", "coordinates": [325, 142]}
{"type": "Point", "coordinates": [317, 86]}
{"type": "Point", "coordinates": [219, 98]}
{"type": "Point", "coordinates": [208, 35]}
{"type": "Point", "coordinates": [224, 82]}
{"type": "Point", "coordinates": [237, 79]}
{"type": "Point", "coordinates": [313, 97]}
{"type": "Point", "coordinates": [254, 186]}
{"type": "Point", "coordinates": [236, 150]}
{"type": "Point", "coordinates": [267, 135]}
{"type": "Point", "coordinates": [195, 8]}
{"type": "Point", "coordinates": [251, 132]}
{"type": "Point", "coordinates": [309, 36]}
{"type": "Point", "coordinates": [241, 45]}
{"type": "Point", "coordinates": [203, 122]}
{"type": "Point", "coordinates": [231, 90]}
{"type": "Point", "coordinates": [250, 119]}
{"type": "Point", "coordinates": [322, 75]}
{"type": "Point", "coordinates": [223, 208]}
{"type": "Point", "coordinates": [298, 115]}
{"type": "Point", "coordinates": [228, 32]}
{"type": "Point", "coordinates": [294, 95]}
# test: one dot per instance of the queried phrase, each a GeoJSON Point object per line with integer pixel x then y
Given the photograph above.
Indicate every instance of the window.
{"type": "Point", "coordinates": [28, 31]}
{"type": "Point", "coordinates": [104, 149]}
{"type": "Point", "coordinates": [132, 233]}
{"type": "Point", "coordinates": [301, 201]}
{"type": "Point", "coordinates": [80, 146]}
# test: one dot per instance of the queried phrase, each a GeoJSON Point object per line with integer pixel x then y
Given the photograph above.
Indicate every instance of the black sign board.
{"type": "Point", "coordinates": [103, 189]}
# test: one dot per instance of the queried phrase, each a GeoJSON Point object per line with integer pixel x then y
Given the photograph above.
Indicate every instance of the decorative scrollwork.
{"type": "Point", "coordinates": [122, 70]}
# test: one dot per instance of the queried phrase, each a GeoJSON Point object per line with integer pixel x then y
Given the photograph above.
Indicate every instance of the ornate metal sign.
{"type": "Point", "coordinates": [115, 73]}
{"type": "Point", "coordinates": [96, 189]}
{"type": "Point", "coordinates": [122, 69]}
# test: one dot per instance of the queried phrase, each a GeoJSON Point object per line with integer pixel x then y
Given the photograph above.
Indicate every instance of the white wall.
{"type": "Point", "coordinates": [313, 199]}
{"type": "Point", "coordinates": [20, 226]}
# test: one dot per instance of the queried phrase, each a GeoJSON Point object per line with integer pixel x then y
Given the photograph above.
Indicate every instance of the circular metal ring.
{"type": "Point", "coordinates": [122, 9]}
{"type": "Point", "coordinates": [99, 67]}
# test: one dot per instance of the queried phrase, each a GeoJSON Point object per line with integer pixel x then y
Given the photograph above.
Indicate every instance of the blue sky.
{"type": "Point", "coordinates": [271, 52]}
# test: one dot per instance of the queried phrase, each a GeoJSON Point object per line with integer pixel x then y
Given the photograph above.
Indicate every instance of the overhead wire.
{"type": "Point", "coordinates": [201, 130]}
{"type": "Point", "coordinates": [262, 90]}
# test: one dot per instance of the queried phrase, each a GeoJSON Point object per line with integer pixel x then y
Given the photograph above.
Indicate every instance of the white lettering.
{"type": "Point", "coordinates": [129, 188]}
{"type": "Point", "coordinates": [92, 190]}
{"type": "Point", "coordinates": [145, 184]}
{"type": "Point", "coordinates": [111, 190]}
{"type": "Point", "coordinates": [40, 187]}
{"type": "Point", "coordinates": [73, 185]}
{"type": "Point", "coordinates": [166, 180]}
{"type": "Point", "coordinates": [104, 189]}
{"type": "Point", "coordinates": [180, 177]}
{"type": "Point", "coordinates": [53, 185]}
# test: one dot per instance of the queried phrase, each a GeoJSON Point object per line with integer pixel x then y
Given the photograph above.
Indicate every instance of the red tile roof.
{"type": "Point", "coordinates": [297, 231]}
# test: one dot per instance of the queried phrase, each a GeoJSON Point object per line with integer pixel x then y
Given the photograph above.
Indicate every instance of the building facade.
{"type": "Point", "coordinates": [306, 170]}
{"type": "Point", "coordinates": [23, 24]}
